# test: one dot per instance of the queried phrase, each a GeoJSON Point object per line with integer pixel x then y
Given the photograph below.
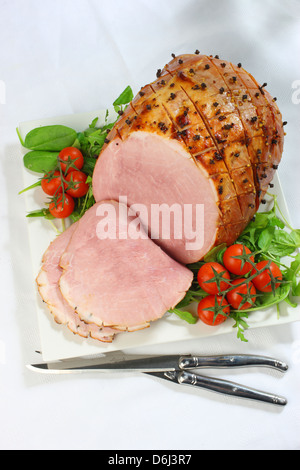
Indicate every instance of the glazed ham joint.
{"type": "Point", "coordinates": [203, 134]}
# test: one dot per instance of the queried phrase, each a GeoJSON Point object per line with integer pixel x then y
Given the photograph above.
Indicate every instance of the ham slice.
{"type": "Point", "coordinates": [47, 282]}
{"type": "Point", "coordinates": [114, 275]}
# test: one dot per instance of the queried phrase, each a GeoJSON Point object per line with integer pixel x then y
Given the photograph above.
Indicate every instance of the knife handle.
{"type": "Point", "coordinates": [229, 388]}
{"type": "Point", "coordinates": [236, 360]}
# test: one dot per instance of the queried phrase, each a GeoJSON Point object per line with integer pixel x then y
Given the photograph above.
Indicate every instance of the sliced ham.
{"type": "Point", "coordinates": [203, 133]}
{"type": "Point", "coordinates": [47, 282]}
{"type": "Point", "coordinates": [124, 281]}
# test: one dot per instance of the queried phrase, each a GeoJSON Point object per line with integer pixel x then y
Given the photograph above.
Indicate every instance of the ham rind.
{"type": "Point", "coordinates": [119, 279]}
{"type": "Point", "coordinates": [203, 133]}
{"type": "Point", "coordinates": [47, 282]}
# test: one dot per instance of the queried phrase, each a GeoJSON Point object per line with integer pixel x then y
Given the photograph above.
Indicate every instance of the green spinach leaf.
{"type": "Point", "coordinates": [50, 138]}
{"type": "Point", "coordinates": [40, 161]}
{"type": "Point", "coordinates": [125, 97]}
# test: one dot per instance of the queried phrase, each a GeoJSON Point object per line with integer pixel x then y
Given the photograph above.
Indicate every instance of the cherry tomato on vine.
{"type": "Point", "coordinates": [63, 208]}
{"type": "Point", "coordinates": [51, 183]}
{"type": "Point", "coordinates": [76, 184]}
{"type": "Point", "coordinates": [262, 281]}
{"type": "Point", "coordinates": [218, 310]}
{"type": "Point", "coordinates": [243, 296]}
{"type": "Point", "coordinates": [234, 265]}
{"type": "Point", "coordinates": [212, 278]}
{"type": "Point", "coordinates": [70, 159]}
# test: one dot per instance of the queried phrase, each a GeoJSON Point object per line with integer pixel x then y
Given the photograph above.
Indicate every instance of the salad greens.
{"type": "Point", "coordinates": [92, 139]}
{"type": "Point", "coordinates": [269, 237]}
{"type": "Point", "coordinates": [46, 142]}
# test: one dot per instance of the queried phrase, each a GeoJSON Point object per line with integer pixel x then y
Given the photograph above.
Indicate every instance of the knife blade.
{"type": "Point", "coordinates": [129, 363]}
{"type": "Point", "coordinates": [120, 362]}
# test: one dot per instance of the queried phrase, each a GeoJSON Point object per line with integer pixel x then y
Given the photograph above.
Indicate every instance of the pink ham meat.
{"type": "Point", "coordinates": [204, 133]}
{"type": "Point", "coordinates": [121, 280]}
{"type": "Point", "coordinates": [47, 282]}
{"type": "Point", "coordinates": [160, 181]}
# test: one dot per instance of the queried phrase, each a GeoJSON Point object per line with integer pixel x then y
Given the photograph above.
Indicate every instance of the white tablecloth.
{"type": "Point", "coordinates": [67, 56]}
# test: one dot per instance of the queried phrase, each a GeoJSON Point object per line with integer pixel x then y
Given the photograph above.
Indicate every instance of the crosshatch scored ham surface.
{"type": "Point", "coordinates": [205, 132]}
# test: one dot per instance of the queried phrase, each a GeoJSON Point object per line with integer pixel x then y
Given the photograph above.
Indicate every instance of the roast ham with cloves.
{"type": "Point", "coordinates": [203, 134]}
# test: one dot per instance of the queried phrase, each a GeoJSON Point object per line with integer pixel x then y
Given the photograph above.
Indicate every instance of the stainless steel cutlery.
{"type": "Point", "coordinates": [179, 369]}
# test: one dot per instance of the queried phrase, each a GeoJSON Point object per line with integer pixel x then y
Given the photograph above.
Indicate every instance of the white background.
{"type": "Point", "coordinates": [69, 56]}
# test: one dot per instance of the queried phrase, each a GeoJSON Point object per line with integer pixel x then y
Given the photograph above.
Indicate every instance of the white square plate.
{"type": "Point", "coordinates": [57, 342]}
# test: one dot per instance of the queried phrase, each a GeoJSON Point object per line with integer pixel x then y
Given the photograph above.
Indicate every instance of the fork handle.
{"type": "Point", "coordinates": [229, 388]}
{"type": "Point", "coordinates": [236, 360]}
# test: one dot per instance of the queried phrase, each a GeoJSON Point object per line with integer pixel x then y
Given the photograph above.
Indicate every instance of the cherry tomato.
{"type": "Point", "coordinates": [218, 312]}
{"type": "Point", "coordinates": [51, 183]}
{"type": "Point", "coordinates": [77, 186]}
{"type": "Point", "coordinates": [62, 209]}
{"type": "Point", "coordinates": [262, 281]}
{"type": "Point", "coordinates": [234, 265]}
{"type": "Point", "coordinates": [73, 159]}
{"type": "Point", "coordinates": [236, 296]}
{"type": "Point", "coordinates": [213, 270]}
